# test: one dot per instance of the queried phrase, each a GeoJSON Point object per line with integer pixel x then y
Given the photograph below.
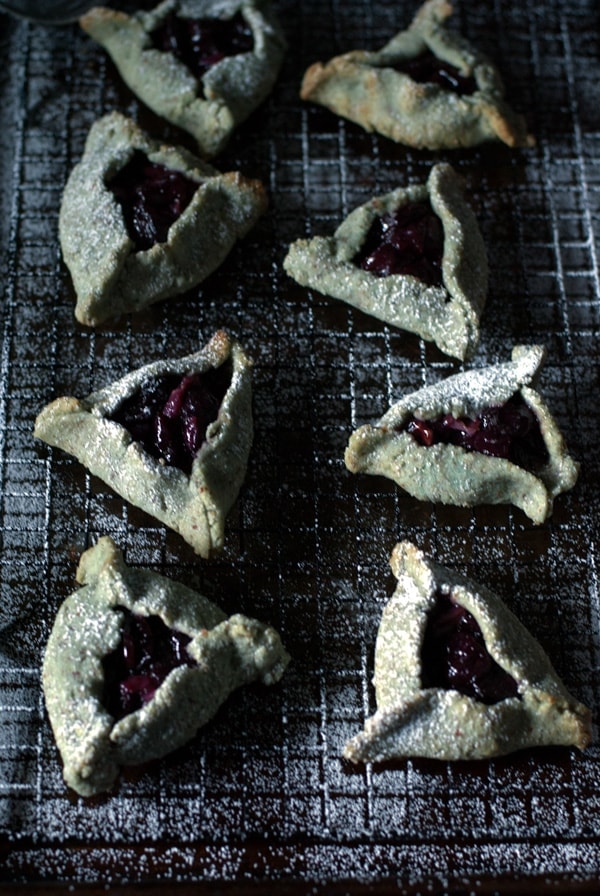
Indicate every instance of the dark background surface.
{"type": "Point", "coordinates": [261, 798]}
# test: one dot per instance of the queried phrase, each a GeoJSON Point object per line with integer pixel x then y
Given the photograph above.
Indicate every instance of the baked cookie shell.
{"type": "Point", "coordinates": [364, 88]}
{"type": "Point", "coordinates": [447, 315]}
{"type": "Point", "coordinates": [450, 474]}
{"type": "Point", "coordinates": [195, 506]}
{"type": "Point", "coordinates": [445, 724]}
{"type": "Point", "coordinates": [229, 653]}
{"type": "Point", "coordinates": [109, 277]}
{"type": "Point", "coordinates": [228, 92]}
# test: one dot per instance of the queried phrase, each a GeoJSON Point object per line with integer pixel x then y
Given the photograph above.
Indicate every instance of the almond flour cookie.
{"type": "Point", "coordinates": [413, 258]}
{"type": "Point", "coordinates": [427, 88]}
{"type": "Point", "coordinates": [136, 664]}
{"type": "Point", "coordinates": [480, 437]}
{"type": "Point", "coordinates": [140, 222]}
{"type": "Point", "coordinates": [457, 676]}
{"type": "Point", "coordinates": [172, 437]}
{"type": "Point", "coordinates": [203, 65]}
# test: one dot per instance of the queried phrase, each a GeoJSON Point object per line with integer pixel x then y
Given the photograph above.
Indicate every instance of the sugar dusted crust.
{"type": "Point", "coordinates": [195, 506]}
{"type": "Point", "coordinates": [364, 88]}
{"type": "Point", "coordinates": [448, 473]}
{"type": "Point", "coordinates": [111, 279]}
{"type": "Point", "coordinates": [229, 653]}
{"type": "Point", "coordinates": [447, 315]}
{"type": "Point", "coordinates": [211, 109]}
{"type": "Point", "coordinates": [444, 724]}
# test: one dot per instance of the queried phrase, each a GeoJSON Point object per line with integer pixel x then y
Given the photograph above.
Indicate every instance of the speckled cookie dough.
{"type": "Point", "coordinates": [365, 88]}
{"type": "Point", "coordinates": [209, 108]}
{"type": "Point", "coordinates": [194, 505]}
{"type": "Point", "coordinates": [228, 653]}
{"type": "Point", "coordinates": [450, 474]}
{"type": "Point", "coordinates": [111, 278]}
{"type": "Point", "coordinates": [442, 723]}
{"type": "Point", "coordinates": [448, 314]}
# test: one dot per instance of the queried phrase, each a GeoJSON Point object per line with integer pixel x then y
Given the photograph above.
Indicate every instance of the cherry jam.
{"type": "Point", "coordinates": [511, 431]}
{"type": "Point", "coordinates": [169, 415]}
{"type": "Point", "coordinates": [147, 652]}
{"type": "Point", "coordinates": [407, 241]}
{"type": "Point", "coordinates": [428, 69]}
{"type": "Point", "coordinates": [454, 656]}
{"type": "Point", "coordinates": [152, 197]}
{"type": "Point", "coordinates": [201, 43]}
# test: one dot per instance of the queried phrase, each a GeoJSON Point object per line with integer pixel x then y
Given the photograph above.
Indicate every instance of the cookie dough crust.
{"type": "Point", "coordinates": [447, 315]}
{"type": "Point", "coordinates": [195, 506]}
{"type": "Point", "coordinates": [229, 652]}
{"type": "Point", "coordinates": [450, 474]}
{"type": "Point", "coordinates": [444, 724]}
{"type": "Point", "coordinates": [363, 87]}
{"type": "Point", "coordinates": [209, 110]}
{"type": "Point", "coordinates": [109, 277]}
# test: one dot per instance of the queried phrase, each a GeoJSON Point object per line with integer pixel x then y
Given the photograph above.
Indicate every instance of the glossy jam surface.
{"type": "Point", "coordinates": [428, 69]}
{"type": "Point", "coordinates": [511, 431]}
{"type": "Point", "coordinates": [169, 415]}
{"type": "Point", "coordinates": [201, 43]}
{"type": "Point", "coordinates": [151, 198]}
{"type": "Point", "coordinates": [454, 656]}
{"type": "Point", "coordinates": [147, 652]}
{"type": "Point", "coordinates": [407, 241]}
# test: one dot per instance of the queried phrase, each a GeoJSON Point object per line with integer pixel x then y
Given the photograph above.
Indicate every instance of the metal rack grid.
{"type": "Point", "coordinates": [261, 794]}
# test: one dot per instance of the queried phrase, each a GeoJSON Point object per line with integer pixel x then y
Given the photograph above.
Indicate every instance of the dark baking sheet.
{"type": "Point", "coordinates": [261, 797]}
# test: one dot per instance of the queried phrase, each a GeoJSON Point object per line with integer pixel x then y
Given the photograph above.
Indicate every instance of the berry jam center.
{"type": "Point", "coordinates": [151, 198]}
{"type": "Point", "coordinates": [454, 656]}
{"type": "Point", "coordinates": [428, 69]}
{"type": "Point", "coordinates": [169, 415]}
{"type": "Point", "coordinates": [201, 43]}
{"type": "Point", "coordinates": [407, 241]}
{"type": "Point", "coordinates": [511, 431]}
{"type": "Point", "coordinates": [147, 652]}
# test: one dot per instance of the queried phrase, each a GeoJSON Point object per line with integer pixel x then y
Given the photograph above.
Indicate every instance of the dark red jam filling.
{"type": "Point", "coordinates": [511, 431]}
{"type": "Point", "coordinates": [201, 43]}
{"type": "Point", "coordinates": [454, 656]}
{"type": "Point", "coordinates": [428, 69]}
{"type": "Point", "coordinates": [407, 241]}
{"type": "Point", "coordinates": [151, 198]}
{"type": "Point", "coordinates": [169, 415]}
{"type": "Point", "coordinates": [147, 652]}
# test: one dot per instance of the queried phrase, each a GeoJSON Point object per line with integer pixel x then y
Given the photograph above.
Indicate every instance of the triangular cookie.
{"type": "Point", "coordinates": [480, 437]}
{"type": "Point", "coordinates": [181, 60]}
{"type": "Point", "coordinates": [446, 312]}
{"type": "Point", "coordinates": [399, 93]}
{"type": "Point", "coordinates": [136, 664]}
{"type": "Point", "coordinates": [457, 676]}
{"type": "Point", "coordinates": [113, 273]}
{"type": "Point", "coordinates": [201, 402]}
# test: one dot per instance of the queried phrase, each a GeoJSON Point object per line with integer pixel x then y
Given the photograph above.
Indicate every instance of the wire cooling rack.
{"type": "Point", "coordinates": [262, 797]}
